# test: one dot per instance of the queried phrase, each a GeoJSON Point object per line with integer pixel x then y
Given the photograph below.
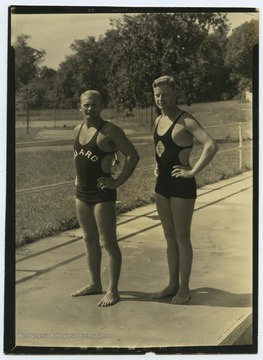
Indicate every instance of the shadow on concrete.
{"type": "Point", "coordinates": [205, 296]}
{"type": "Point", "coordinates": [214, 297]}
{"type": "Point", "coordinates": [153, 217]}
{"type": "Point", "coordinates": [142, 296]}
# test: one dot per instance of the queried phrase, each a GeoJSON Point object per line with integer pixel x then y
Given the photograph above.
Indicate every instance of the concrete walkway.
{"type": "Point", "coordinates": [220, 310]}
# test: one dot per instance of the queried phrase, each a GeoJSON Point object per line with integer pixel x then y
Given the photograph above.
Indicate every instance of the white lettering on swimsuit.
{"type": "Point", "coordinates": [88, 154]}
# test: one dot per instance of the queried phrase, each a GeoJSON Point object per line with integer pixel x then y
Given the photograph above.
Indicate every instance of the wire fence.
{"type": "Point", "coordinates": [54, 113]}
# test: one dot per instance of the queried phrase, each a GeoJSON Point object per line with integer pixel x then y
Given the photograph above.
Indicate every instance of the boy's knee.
{"type": "Point", "coordinates": [109, 243]}
{"type": "Point", "coordinates": [169, 236]}
{"type": "Point", "coordinates": [183, 239]}
{"type": "Point", "coordinates": [90, 239]}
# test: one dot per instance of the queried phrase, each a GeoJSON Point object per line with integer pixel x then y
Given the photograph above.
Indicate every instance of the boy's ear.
{"type": "Point", "coordinates": [79, 106]}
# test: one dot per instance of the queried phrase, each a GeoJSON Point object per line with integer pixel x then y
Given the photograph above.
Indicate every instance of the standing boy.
{"type": "Point", "coordinates": [95, 143]}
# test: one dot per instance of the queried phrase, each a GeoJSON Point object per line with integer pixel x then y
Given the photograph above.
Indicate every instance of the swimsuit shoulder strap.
{"type": "Point", "coordinates": [101, 125]}
{"type": "Point", "coordinates": [158, 119]}
{"type": "Point", "coordinates": [176, 121]}
{"type": "Point", "coordinates": [79, 130]}
{"type": "Point", "coordinates": [178, 117]}
{"type": "Point", "coordinates": [157, 123]}
{"type": "Point", "coordinates": [96, 136]}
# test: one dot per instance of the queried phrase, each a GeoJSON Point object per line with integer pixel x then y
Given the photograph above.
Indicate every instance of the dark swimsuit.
{"type": "Point", "coordinates": [88, 160]}
{"type": "Point", "coordinates": [167, 156]}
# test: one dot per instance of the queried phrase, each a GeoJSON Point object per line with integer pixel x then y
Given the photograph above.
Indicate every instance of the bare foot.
{"type": "Point", "coordinates": [88, 290]}
{"type": "Point", "coordinates": [182, 297]}
{"type": "Point", "coordinates": [110, 298]}
{"type": "Point", "coordinates": [167, 291]}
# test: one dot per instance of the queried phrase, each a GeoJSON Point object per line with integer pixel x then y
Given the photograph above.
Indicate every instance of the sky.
{"type": "Point", "coordinates": [54, 33]}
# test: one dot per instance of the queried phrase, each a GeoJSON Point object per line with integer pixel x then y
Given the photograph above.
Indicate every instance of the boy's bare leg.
{"type": "Point", "coordinates": [105, 214]}
{"type": "Point", "coordinates": [91, 237]}
{"type": "Point", "coordinates": [165, 214]}
{"type": "Point", "coordinates": [182, 210]}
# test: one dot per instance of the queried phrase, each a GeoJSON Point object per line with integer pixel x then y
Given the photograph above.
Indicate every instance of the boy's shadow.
{"type": "Point", "coordinates": [201, 296]}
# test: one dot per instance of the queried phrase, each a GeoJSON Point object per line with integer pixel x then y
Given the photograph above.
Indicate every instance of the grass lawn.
{"type": "Point", "coordinates": [48, 212]}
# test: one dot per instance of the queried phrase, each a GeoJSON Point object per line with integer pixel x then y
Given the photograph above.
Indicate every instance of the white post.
{"type": "Point", "coordinates": [240, 146]}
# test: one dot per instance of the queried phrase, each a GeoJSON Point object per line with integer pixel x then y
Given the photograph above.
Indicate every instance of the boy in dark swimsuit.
{"type": "Point", "coordinates": [95, 143]}
{"type": "Point", "coordinates": [175, 185]}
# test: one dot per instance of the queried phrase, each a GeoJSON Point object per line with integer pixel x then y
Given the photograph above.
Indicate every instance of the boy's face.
{"type": "Point", "coordinates": [91, 106]}
{"type": "Point", "coordinates": [164, 97]}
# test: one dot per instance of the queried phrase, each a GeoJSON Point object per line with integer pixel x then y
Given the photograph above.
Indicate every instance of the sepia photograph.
{"type": "Point", "coordinates": [132, 180]}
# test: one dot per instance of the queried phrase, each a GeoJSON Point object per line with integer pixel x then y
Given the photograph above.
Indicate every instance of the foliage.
{"type": "Point", "coordinates": [146, 46]}
{"type": "Point", "coordinates": [83, 70]}
{"type": "Point", "coordinates": [211, 77]}
{"type": "Point", "coordinates": [122, 64]}
{"type": "Point", "coordinates": [238, 55]}
{"type": "Point", "coordinates": [34, 84]}
{"type": "Point", "coordinates": [27, 61]}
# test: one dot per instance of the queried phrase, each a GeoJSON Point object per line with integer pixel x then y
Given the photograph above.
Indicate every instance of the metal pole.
{"type": "Point", "coordinates": [240, 146]}
{"type": "Point", "coordinates": [27, 118]}
{"type": "Point", "coordinates": [55, 114]}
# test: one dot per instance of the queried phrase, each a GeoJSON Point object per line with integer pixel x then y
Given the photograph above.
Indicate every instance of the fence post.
{"type": "Point", "coordinates": [55, 114]}
{"type": "Point", "coordinates": [27, 117]}
{"type": "Point", "coordinates": [240, 134]}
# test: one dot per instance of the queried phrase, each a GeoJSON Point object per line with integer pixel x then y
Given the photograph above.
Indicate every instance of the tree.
{"type": "Point", "coordinates": [27, 60]}
{"type": "Point", "coordinates": [238, 56]}
{"type": "Point", "coordinates": [83, 70]}
{"type": "Point", "coordinates": [210, 74]}
{"type": "Point", "coordinates": [146, 46]}
{"type": "Point", "coordinates": [47, 83]}
{"type": "Point", "coordinates": [40, 92]}
{"type": "Point", "coordinates": [34, 84]}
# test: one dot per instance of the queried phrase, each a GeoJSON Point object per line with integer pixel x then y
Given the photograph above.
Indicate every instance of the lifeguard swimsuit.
{"type": "Point", "coordinates": [88, 160]}
{"type": "Point", "coordinates": [167, 155]}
